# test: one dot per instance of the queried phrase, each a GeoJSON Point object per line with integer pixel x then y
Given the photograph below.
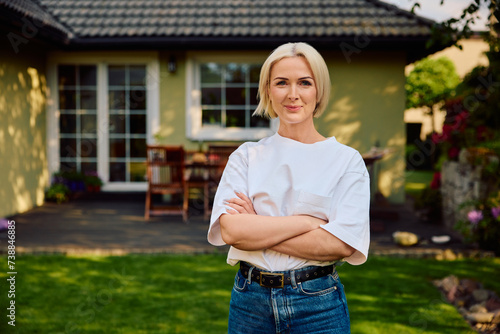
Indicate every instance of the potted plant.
{"type": "Point", "coordinates": [58, 193]}
{"type": "Point", "coordinates": [93, 182]}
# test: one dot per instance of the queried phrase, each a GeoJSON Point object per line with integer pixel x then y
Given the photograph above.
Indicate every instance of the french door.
{"type": "Point", "coordinates": [105, 115]}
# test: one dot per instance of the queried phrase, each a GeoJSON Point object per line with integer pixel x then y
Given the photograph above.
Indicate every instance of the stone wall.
{"type": "Point", "coordinates": [460, 182]}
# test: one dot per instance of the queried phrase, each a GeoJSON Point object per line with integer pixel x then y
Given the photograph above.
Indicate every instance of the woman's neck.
{"type": "Point", "coordinates": [307, 135]}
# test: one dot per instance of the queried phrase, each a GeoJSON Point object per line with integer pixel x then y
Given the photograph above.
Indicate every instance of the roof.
{"type": "Point", "coordinates": [35, 19]}
{"type": "Point", "coordinates": [229, 23]}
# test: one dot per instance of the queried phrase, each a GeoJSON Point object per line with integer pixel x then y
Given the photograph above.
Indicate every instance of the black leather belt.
{"type": "Point", "coordinates": [278, 280]}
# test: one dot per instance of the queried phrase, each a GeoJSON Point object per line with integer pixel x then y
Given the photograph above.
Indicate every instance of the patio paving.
{"type": "Point", "coordinates": [113, 224]}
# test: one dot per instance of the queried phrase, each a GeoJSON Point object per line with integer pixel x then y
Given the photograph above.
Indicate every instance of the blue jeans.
{"type": "Point", "coordinates": [313, 307]}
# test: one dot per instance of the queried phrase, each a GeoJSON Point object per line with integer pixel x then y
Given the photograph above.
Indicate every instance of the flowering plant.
{"type": "Point", "coordinates": [482, 223]}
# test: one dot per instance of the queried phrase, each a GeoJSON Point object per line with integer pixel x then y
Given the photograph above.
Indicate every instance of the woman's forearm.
{"type": "Point", "coordinates": [317, 244]}
{"type": "Point", "coordinates": [253, 232]}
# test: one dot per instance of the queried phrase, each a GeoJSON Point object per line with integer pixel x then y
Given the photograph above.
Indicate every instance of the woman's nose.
{"type": "Point", "coordinates": [292, 93]}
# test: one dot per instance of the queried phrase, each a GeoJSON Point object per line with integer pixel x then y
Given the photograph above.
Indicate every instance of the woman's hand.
{"type": "Point", "coordinates": [240, 204]}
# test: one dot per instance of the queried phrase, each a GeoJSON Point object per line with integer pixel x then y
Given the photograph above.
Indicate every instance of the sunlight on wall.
{"type": "Point", "coordinates": [23, 158]}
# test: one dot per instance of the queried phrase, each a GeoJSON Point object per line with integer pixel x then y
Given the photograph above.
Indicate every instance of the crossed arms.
{"type": "Point", "coordinates": [298, 236]}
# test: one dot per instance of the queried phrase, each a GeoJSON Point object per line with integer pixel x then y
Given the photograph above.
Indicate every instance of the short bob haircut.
{"type": "Point", "coordinates": [319, 70]}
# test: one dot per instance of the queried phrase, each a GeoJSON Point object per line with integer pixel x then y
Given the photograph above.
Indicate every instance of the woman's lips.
{"type": "Point", "coordinates": [292, 108]}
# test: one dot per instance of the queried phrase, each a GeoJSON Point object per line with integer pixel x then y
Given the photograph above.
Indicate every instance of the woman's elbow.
{"type": "Point", "coordinates": [227, 233]}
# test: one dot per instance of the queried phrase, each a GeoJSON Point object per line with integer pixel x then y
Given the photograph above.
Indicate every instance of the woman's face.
{"type": "Point", "coordinates": [293, 90]}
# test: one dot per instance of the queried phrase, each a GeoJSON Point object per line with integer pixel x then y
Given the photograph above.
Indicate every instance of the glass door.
{"type": "Point", "coordinates": [127, 105]}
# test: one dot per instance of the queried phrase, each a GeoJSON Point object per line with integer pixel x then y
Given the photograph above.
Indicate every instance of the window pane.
{"type": "Point", "coordinates": [236, 73]}
{"type": "Point", "coordinates": [138, 124]}
{"type": "Point", "coordinates": [116, 99]}
{"type": "Point", "coordinates": [116, 75]}
{"type": "Point", "coordinates": [117, 171]}
{"type": "Point", "coordinates": [67, 166]}
{"type": "Point", "coordinates": [67, 147]}
{"type": "Point", "coordinates": [259, 122]}
{"type": "Point", "coordinates": [67, 75]}
{"type": "Point", "coordinates": [67, 123]}
{"type": "Point", "coordinates": [67, 99]}
{"type": "Point", "coordinates": [235, 96]}
{"type": "Point", "coordinates": [138, 148]}
{"type": "Point", "coordinates": [211, 96]}
{"type": "Point", "coordinates": [89, 167]}
{"type": "Point", "coordinates": [212, 117]}
{"type": "Point", "coordinates": [254, 73]}
{"type": "Point", "coordinates": [88, 148]}
{"type": "Point", "coordinates": [88, 75]}
{"type": "Point", "coordinates": [117, 147]}
{"type": "Point", "coordinates": [88, 123]}
{"type": "Point", "coordinates": [137, 171]}
{"type": "Point", "coordinates": [88, 99]}
{"type": "Point", "coordinates": [137, 99]}
{"type": "Point", "coordinates": [116, 123]}
{"type": "Point", "coordinates": [235, 118]}
{"type": "Point", "coordinates": [138, 76]}
{"type": "Point", "coordinates": [253, 96]}
{"type": "Point", "coordinates": [211, 73]}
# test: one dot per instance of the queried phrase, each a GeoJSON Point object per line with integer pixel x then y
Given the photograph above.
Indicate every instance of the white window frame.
{"type": "Point", "coordinates": [102, 60]}
{"type": "Point", "coordinates": [195, 130]}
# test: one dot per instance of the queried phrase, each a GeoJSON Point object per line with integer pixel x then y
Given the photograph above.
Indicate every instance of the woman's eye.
{"type": "Point", "coordinates": [281, 83]}
{"type": "Point", "coordinates": [305, 83]}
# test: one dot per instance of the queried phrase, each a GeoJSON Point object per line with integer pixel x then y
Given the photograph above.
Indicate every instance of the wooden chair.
{"type": "Point", "coordinates": [165, 173]}
{"type": "Point", "coordinates": [218, 155]}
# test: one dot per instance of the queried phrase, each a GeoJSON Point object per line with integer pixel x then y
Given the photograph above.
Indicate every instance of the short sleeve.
{"type": "Point", "coordinates": [234, 178]}
{"type": "Point", "coordinates": [349, 219]}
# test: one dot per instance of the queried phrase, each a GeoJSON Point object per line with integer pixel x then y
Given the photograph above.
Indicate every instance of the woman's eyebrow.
{"type": "Point", "coordinates": [280, 78]}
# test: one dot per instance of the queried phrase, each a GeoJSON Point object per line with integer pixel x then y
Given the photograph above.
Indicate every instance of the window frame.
{"type": "Point", "coordinates": [195, 130]}
{"type": "Point", "coordinates": [102, 60]}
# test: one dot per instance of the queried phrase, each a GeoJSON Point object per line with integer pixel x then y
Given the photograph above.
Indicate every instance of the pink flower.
{"type": "Point", "coordinates": [495, 212]}
{"type": "Point", "coordinates": [475, 216]}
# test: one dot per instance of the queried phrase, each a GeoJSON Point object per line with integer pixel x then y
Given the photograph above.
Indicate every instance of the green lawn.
{"type": "Point", "coordinates": [190, 294]}
{"type": "Point", "coordinates": [417, 180]}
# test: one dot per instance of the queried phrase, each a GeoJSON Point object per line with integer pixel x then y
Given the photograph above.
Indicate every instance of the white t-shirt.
{"type": "Point", "coordinates": [284, 177]}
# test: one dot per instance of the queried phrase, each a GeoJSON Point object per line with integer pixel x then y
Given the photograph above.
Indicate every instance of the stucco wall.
{"type": "Point", "coordinates": [366, 109]}
{"type": "Point", "coordinates": [23, 159]}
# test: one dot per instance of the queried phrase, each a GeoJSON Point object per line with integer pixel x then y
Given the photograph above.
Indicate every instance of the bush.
{"type": "Point", "coordinates": [58, 193]}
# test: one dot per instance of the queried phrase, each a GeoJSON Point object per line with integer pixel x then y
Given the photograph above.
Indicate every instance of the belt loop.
{"type": "Point", "coordinates": [292, 281]}
{"type": "Point", "coordinates": [249, 278]}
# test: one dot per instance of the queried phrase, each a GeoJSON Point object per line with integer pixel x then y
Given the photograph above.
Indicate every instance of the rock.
{"type": "Point", "coordinates": [496, 317]}
{"type": "Point", "coordinates": [480, 317]}
{"type": "Point", "coordinates": [448, 255]}
{"type": "Point", "coordinates": [478, 308]}
{"type": "Point", "coordinates": [449, 282]}
{"type": "Point", "coordinates": [480, 295]}
{"type": "Point", "coordinates": [405, 238]}
{"type": "Point", "coordinates": [493, 304]}
{"type": "Point", "coordinates": [469, 285]}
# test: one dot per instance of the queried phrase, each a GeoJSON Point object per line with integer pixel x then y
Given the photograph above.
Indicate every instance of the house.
{"type": "Point", "coordinates": [85, 85]}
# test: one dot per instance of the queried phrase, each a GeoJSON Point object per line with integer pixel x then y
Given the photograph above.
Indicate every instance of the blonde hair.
{"type": "Point", "coordinates": [319, 70]}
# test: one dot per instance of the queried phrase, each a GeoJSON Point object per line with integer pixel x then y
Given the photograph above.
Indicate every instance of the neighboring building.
{"type": "Point", "coordinates": [85, 85]}
{"type": "Point", "coordinates": [471, 55]}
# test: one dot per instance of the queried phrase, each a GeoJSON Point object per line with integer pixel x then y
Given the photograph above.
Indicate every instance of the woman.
{"type": "Point", "coordinates": [291, 206]}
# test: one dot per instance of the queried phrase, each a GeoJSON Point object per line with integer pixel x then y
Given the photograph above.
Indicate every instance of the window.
{"type": "Point", "coordinates": [78, 119]}
{"type": "Point", "coordinates": [222, 96]}
{"type": "Point", "coordinates": [229, 95]}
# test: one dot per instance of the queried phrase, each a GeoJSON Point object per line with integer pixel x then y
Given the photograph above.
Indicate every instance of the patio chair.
{"type": "Point", "coordinates": [218, 155]}
{"type": "Point", "coordinates": [165, 173]}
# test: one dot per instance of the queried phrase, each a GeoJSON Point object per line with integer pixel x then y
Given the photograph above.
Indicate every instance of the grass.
{"type": "Point", "coordinates": [190, 294]}
{"type": "Point", "coordinates": [417, 180]}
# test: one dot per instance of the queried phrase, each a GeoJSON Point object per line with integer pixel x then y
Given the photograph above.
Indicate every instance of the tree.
{"type": "Point", "coordinates": [430, 82]}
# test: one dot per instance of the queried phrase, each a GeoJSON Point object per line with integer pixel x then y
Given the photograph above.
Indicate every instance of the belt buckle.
{"type": "Point", "coordinates": [271, 277]}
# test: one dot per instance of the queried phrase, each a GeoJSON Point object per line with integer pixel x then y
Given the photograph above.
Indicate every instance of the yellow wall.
{"type": "Point", "coordinates": [23, 159]}
{"type": "Point", "coordinates": [366, 108]}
